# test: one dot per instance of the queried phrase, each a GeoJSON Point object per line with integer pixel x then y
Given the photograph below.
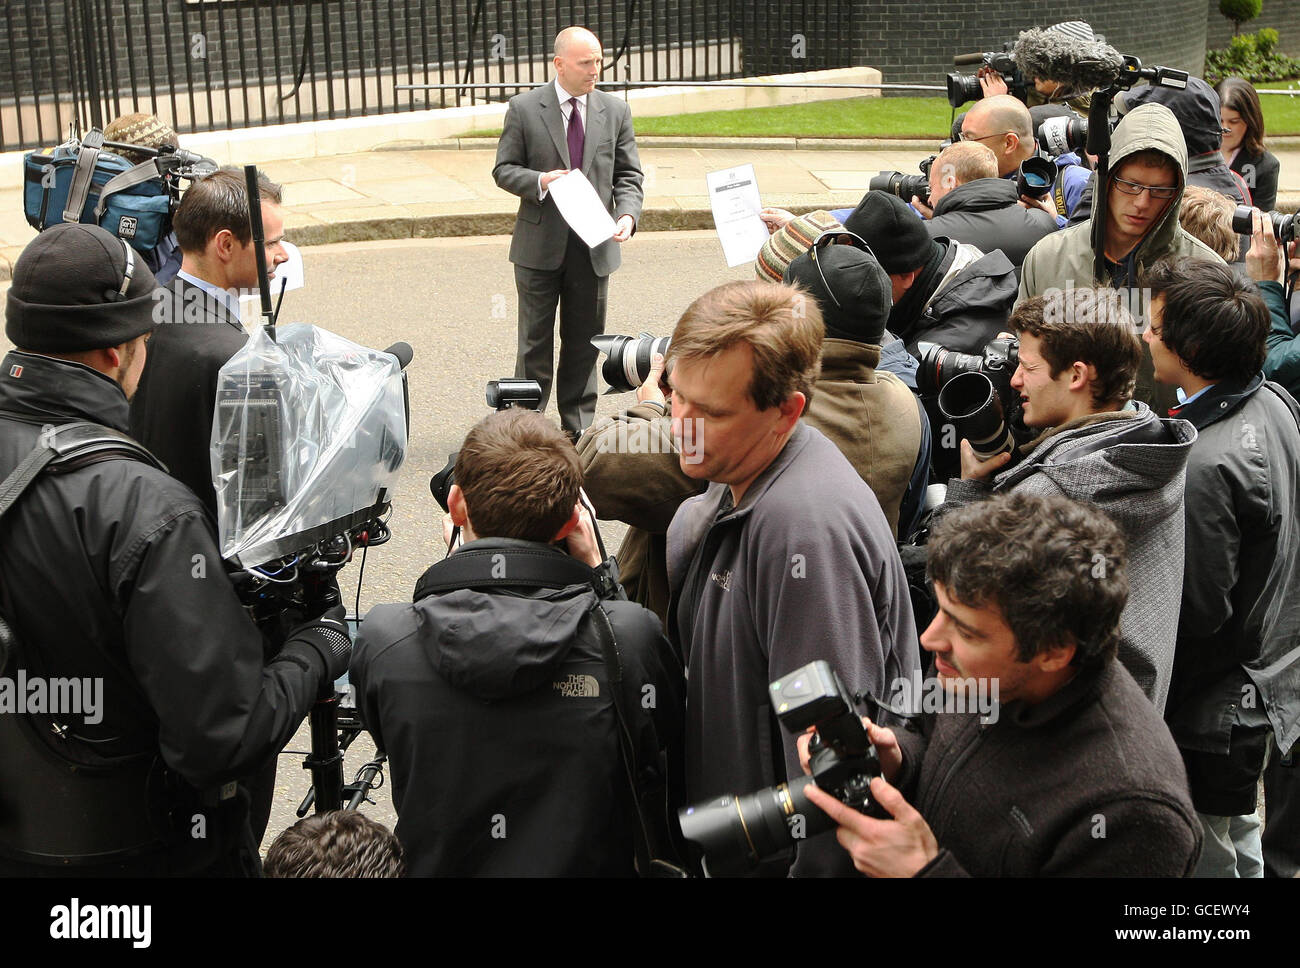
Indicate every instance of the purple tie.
{"type": "Point", "coordinates": [576, 137]}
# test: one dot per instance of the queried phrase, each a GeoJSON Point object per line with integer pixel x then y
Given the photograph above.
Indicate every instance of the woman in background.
{"type": "Point", "coordinates": [1243, 140]}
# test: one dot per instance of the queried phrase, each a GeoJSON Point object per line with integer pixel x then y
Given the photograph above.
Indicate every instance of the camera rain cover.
{"type": "Point", "coordinates": [307, 431]}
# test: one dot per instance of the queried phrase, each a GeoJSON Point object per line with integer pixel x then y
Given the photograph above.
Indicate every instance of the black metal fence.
{"type": "Point", "coordinates": [205, 65]}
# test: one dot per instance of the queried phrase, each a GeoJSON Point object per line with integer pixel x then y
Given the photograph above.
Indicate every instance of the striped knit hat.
{"type": "Point", "coordinates": [145, 130]}
{"type": "Point", "coordinates": [789, 242]}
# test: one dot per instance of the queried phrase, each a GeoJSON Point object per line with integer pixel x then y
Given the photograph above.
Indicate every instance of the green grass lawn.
{"type": "Point", "coordinates": [875, 117]}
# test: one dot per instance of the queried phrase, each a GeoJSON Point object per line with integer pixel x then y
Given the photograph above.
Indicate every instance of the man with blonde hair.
{"type": "Point", "coordinates": [786, 558]}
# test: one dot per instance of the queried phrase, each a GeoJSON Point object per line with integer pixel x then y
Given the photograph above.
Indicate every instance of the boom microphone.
{"type": "Point", "coordinates": [1081, 65]}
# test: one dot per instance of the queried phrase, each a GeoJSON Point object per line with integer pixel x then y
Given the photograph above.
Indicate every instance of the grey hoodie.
{"type": "Point", "coordinates": [1069, 258]}
{"type": "Point", "coordinates": [1139, 483]}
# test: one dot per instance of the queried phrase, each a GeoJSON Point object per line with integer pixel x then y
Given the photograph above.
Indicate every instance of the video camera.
{"type": "Point", "coordinates": [975, 393]}
{"type": "Point", "coordinates": [966, 87]}
{"type": "Point", "coordinates": [501, 395]}
{"type": "Point", "coordinates": [736, 833]}
{"type": "Point", "coordinates": [905, 186]}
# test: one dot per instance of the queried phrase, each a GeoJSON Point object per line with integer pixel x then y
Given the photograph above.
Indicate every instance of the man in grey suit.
{"type": "Point", "coordinates": [549, 131]}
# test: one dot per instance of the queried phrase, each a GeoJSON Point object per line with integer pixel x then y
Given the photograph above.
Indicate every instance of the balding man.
{"type": "Point", "coordinates": [973, 205]}
{"type": "Point", "coordinates": [1002, 123]}
{"type": "Point", "coordinates": [562, 126]}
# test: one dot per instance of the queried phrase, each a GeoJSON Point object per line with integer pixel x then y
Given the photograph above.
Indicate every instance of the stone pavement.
{"type": "Point", "coordinates": [447, 189]}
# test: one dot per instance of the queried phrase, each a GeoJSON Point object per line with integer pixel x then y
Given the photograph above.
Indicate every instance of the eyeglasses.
{"type": "Point", "coordinates": [832, 237]}
{"type": "Point", "coordinates": [963, 136]}
{"type": "Point", "coordinates": [1134, 188]}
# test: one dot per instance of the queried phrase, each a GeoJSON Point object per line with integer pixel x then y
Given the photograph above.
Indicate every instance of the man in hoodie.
{"type": "Point", "coordinates": [1134, 225]}
{"type": "Point", "coordinates": [1078, 362]}
{"type": "Point", "coordinates": [491, 693]}
{"type": "Point", "coordinates": [1237, 671]}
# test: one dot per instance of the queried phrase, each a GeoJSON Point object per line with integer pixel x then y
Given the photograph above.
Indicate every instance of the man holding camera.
{"type": "Point", "coordinates": [785, 559]}
{"type": "Point", "coordinates": [972, 204]}
{"type": "Point", "coordinates": [1077, 775]}
{"type": "Point", "coordinates": [1237, 671]}
{"type": "Point", "coordinates": [110, 574]}
{"type": "Point", "coordinates": [1079, 355]}
{"type": "Point", "coordinates": [504, 693]}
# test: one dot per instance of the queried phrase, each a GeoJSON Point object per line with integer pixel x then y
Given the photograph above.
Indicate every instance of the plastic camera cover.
{"type": "Point", "coordinates": [307, 431]}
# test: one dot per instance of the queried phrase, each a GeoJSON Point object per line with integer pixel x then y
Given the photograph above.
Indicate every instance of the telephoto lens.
{"type": "Point", "coordinates": [627, 359]}
{"type": "Point", "coordinates": [1058, 136]}
{"type": "Point", "coordinates": [737, 833]}
{"type": "Point", "coordinates": [939, 365]}
{"type": "Point", "coordinates": [1283, 225]}
{"type": "Point", "coordinates": [970, 401]}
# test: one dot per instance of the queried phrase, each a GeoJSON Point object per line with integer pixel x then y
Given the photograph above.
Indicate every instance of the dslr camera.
{"type": "Point", "coordinates": [737, 833]}
{"type": "Point", "coordinates": [627, 359]}
{"type": "Point", "coordinates": [975, 393]}
{"type": "Point", "coordinates": [501, 395]}
{"type": "Point", "coordinates": [905, 186]}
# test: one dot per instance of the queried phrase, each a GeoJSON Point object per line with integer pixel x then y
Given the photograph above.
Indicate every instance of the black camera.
{"type": "Point", "coordinates": [975, 393]}
{"type": "Point", "coordinates": [501, 395]}
{"type": "Point", "coordinates": [905, 186]}
{"type": "Point", "coordinates": [1283, 225]}
{"type": "Point", "coordinates": [627, 359]}
{"type": "Point", "coordinates": [966, 87]}
{"type": "Point", "coordinates": [736, 833]}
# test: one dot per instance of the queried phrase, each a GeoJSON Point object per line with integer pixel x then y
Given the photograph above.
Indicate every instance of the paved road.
{"type": "Point", "coordinates": [453, 300]}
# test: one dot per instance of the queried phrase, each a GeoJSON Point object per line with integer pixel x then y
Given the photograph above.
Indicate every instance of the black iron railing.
{"type": "Point", "coordinates": [205, 65]}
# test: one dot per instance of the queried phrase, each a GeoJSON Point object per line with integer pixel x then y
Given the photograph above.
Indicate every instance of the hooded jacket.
{"type": "Point", "coordinates": [987, 214]}
{"type": "Point", "coordinates": [967, 307]}
{"type": "Point", "coordinates": [493, 705]}
{"type": "Point", "coordinates": [1074, 257]}
{"type": "Point", "coordinates": [1129, 464]}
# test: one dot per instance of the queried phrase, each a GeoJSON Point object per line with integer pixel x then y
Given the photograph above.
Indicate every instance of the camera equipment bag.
{"type": "Point", "coordinates": [79, 181]}
{"type": "Point", "coordinates": [647, 776]}
{"type": "Point", "coordinates": [64, 804]}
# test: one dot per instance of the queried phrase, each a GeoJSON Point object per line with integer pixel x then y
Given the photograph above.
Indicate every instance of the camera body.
{"type": "Point", "coordinates": [737, 833]}
{"type": "Point", "coordinates": [501, 394]}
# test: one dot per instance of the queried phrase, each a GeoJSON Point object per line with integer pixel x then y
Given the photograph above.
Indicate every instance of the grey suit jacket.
{"type": "Point", "coordinates": [533, 142]}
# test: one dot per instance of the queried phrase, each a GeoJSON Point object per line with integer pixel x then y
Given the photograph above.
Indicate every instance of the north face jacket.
{"type": "Point", "coordinates": [493, 704]}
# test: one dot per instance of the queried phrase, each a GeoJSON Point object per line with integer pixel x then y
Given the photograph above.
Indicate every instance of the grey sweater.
{"type": "Point", "coordinates": [1130, 464]}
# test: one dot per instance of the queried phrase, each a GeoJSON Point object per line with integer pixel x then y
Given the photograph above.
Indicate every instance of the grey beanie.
{"type": "Point", "coordinates": [66, 292]}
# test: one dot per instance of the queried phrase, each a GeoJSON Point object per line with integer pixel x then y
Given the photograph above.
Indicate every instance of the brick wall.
{"type": "Point", "coordinates": [913, 42]}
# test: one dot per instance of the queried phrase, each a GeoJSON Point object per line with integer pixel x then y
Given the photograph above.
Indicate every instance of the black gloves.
{"type": "Point", "coordinates": [327, 637]}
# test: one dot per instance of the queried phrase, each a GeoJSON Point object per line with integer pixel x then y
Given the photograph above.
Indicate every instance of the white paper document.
{"type": "Point", "coordinates": [734, 195]}
{"type": "Point", "coordinates": [582, 208]}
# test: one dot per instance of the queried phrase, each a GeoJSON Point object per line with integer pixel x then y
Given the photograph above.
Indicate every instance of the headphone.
{"type": "Point", "coordinates": [119, 294]}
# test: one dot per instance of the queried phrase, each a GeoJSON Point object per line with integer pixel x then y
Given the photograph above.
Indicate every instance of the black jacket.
{"type": "Point", "coordinates": [987, 214]}
{"type": "Point", "coordinates": [494, 708]}
{"type": "Point", "coordinates": [1260, 175]}
{"type": "Point", "coordinates": [113, 571]}
{"type": "Point", "coordinates": [1236, 659]}
{"type": "Point", "coordinates": [1086, 783]}
{"type": "Point", "coordinates": [171, 412]}
{"type": "Point", "coordinates": [970, 302]}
